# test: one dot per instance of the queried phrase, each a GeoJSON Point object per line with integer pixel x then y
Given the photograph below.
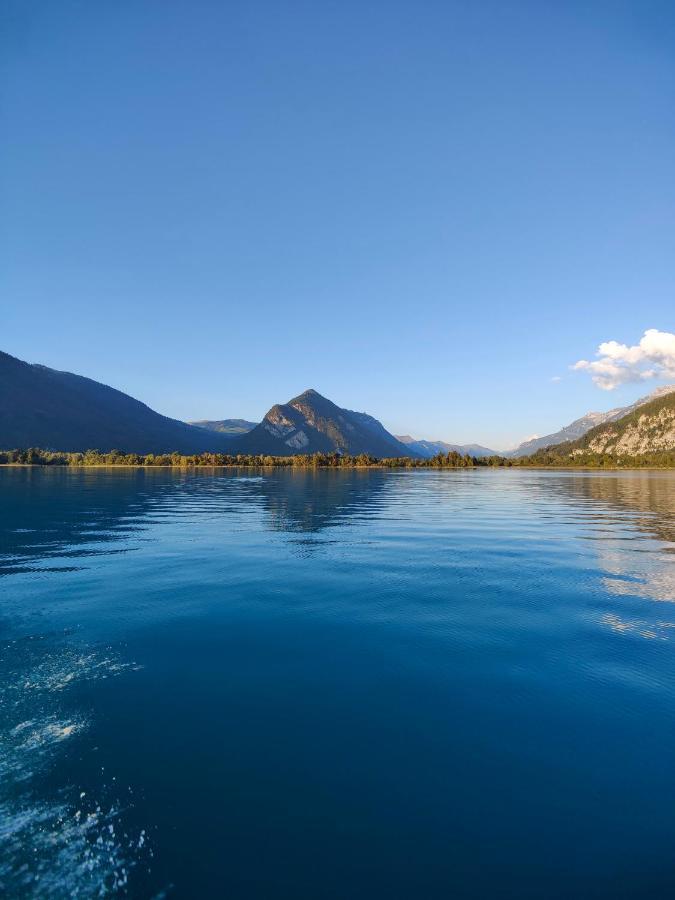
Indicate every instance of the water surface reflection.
{"type": "Point", "coordinates": [257, 677]}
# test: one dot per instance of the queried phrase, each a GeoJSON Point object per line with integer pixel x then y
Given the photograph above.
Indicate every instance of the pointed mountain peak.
{"type": "Point", "coordinates": [309, 395]}
{"type": "Point", "coordinates": [313, 400]}
{"type": "Point", "coordinates": [311, 423]}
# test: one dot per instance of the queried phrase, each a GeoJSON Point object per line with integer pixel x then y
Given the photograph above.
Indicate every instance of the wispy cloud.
{"type": "Point", "coordinates": [556, 378]}
{"type": "Point", "coordinates": [652, 357]}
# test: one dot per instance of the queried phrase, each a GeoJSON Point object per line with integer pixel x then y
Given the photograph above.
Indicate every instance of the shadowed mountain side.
{"type": "Point", "coordinates": [42, 407]}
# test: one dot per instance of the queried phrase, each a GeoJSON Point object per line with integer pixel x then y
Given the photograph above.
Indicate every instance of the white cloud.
{"type": "Point", "coordinates": [652, 357]}
{"type": "Point", "coordinates": [556, 378]}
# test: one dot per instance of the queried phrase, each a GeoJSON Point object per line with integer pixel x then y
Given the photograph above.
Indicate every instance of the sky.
{"type": "Point", "coordinates": [428, 211]}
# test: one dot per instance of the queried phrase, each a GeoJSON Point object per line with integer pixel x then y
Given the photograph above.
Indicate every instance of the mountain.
{"type": "Point", "coordinates": [42, 407]}
{"type": "Point", "coordinates": [582, 426]}
{"type": "Point", "coordinates": [648, 427]}
{"type": "Point", "coordinates": [226, 426]}
{"type": "Point", "coordinates": [428, 449]}
{"type": "Point", "coordinates": [311, 423]}
{"type": "Point", "coordinates": [568, 433]}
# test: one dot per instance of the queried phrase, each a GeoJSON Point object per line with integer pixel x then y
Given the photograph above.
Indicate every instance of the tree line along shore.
{"type": "Point", "coordinates": [550, 457]}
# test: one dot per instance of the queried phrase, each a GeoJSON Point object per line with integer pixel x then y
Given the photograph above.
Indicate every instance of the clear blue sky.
{"type": "Point", "coordinates": [424, 210]}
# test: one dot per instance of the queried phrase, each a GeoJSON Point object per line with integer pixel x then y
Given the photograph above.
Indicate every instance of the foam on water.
{"type": "Point", "coordinates": [70, 844]}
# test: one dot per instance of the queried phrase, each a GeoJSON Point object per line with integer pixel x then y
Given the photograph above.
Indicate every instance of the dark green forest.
{"type": "Point", "coordinates": [559, 457]}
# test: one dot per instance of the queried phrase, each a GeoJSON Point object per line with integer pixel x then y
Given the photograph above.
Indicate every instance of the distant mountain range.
{"type": "Point", "coordinates": [46, 408]}
{"type": "Point", "coordinates": [428, 449]}
{"type": "Point", "coordinates": [226, 426]}
{"type": "Point", "coordinates": [582, 426]}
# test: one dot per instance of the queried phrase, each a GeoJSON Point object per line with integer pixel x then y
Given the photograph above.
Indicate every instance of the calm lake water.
{"type": "Point", "coordinates": [365, 684]}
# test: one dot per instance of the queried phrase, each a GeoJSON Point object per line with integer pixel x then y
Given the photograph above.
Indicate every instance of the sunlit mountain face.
{"type": "Point", "coordinates": [310, 423]}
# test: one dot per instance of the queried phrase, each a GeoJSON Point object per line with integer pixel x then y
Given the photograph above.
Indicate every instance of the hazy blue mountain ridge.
{"type": "Point", "coordinates": [226, 426]}
{"type": "Point", "coordinates": [428, 449]}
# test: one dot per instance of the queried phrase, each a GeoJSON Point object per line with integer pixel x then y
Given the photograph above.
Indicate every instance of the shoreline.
{"type": "Point", "coordinates": [334, 468]}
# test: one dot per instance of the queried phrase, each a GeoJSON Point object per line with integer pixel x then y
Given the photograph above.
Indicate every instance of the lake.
{"type": "Point", "coordinates": [326, 684]}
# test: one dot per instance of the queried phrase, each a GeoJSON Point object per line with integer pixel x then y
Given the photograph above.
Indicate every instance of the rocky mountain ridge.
{"type": "Point", "coordinates": [649, 428]}
{"type": "Point", "coordinates": [584, 424]}
{"type": "Point", "coordinates": [310, 423]}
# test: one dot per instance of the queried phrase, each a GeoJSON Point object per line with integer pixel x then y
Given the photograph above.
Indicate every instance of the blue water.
{"type": "Point", "coordinates": [366, 684]}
